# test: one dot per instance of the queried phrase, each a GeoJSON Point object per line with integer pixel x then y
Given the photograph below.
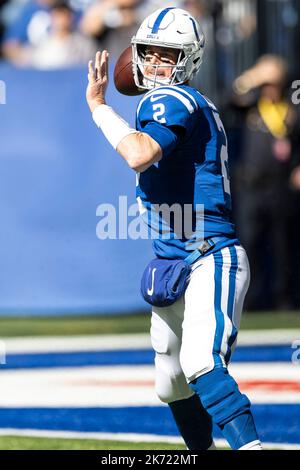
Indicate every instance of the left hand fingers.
{"type": "Point", "coordinates": [101, 65]}
{"type": "Point", "coordinates": [97, 65]}
{"type": "Point", "coordinates": [91, 74]}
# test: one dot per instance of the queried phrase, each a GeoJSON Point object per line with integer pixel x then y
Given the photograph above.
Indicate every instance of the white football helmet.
{"type": "Point", "coordinates": [168, 28]}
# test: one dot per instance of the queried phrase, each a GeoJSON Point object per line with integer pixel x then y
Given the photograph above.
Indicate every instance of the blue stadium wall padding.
{"type": "Point", "coordinates": [55, 169]}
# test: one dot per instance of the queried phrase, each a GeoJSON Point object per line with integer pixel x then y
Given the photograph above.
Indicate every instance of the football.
{"type": "Point", "coordinates": [123, 75]}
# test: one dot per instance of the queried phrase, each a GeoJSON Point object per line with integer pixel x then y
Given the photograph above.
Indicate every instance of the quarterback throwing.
{"type": "Point", "coordinates": [198, 280]}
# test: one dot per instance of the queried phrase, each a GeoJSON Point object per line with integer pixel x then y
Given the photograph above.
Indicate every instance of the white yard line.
{"type": "Point", "coordinates": [123, 437]}
{"type": "Point", "coordinates": [127, 386]}
{"type": "Point", "coordinates": [268, 337]}
{"type": "Point", "coordinates": [79, 387]}
{"type": "Point", "coordinates": [48, 344]}
{"type": "Point", "coordinates": [21, 345]}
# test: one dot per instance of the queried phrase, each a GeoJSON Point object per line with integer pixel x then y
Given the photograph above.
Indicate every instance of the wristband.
{"type": "Point", "coordinates": [112, 125]}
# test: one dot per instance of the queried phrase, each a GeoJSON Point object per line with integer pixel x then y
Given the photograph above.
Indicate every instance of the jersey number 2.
{"type": "Point", "coordinates": [159, 109]}
{"type": "Point", "coordinates": [224, 154]}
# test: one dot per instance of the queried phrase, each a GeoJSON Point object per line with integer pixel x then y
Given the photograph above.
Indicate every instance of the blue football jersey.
{"type": "Point", "coordinates": [185, 197]}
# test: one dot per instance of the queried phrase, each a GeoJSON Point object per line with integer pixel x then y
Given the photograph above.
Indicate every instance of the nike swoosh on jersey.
{"type": "Point", "coordinates": [150, 291]}
{"type": "Point", "coordinates": [155, 98]}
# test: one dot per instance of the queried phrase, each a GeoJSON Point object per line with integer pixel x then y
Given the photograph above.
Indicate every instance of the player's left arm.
{"type": "Point", "coordinates": [139, 149]}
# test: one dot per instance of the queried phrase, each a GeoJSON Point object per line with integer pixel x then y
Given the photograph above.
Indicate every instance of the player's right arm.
{"type": "Point", "coordinates": [139, 149]}
{"type": "Point", "coordinates": [163, 120]}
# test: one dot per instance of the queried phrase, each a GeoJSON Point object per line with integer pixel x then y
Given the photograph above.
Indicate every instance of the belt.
{"type": "Point", "coordinates": [207, 245]}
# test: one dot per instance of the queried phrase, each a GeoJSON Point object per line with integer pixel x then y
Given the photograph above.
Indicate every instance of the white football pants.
{"type": "Point", "coordinates": [198, 332]}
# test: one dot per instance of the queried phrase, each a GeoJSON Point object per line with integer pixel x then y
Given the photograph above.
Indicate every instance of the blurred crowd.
{"type": "Point", "coordinates": [47, 34]}
{"type": "Point", "coordinates": [263, 127]}
{"type": "Point", "coordinates": [262, 123]}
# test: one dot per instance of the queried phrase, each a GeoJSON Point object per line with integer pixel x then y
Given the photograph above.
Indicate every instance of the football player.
{"type": "Point", "coordinates": [179, 151]}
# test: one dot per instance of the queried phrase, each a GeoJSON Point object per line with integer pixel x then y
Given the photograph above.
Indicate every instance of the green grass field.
{"type": "Point", "coordinates": [37, 443]}
{"type": "Point", "coordinates": [122, 324]}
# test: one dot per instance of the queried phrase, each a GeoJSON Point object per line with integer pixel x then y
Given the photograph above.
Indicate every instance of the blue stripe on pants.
{"type": "Point", "coordinates": [218, 258]}
{"type": "Point", "coordinates": [231, 295]}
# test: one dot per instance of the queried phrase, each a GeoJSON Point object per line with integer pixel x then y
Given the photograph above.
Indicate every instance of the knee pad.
{"type": "Point", "coordinates": [170, 382]}
{"type": "Point", "coordinates": [220, 396]}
